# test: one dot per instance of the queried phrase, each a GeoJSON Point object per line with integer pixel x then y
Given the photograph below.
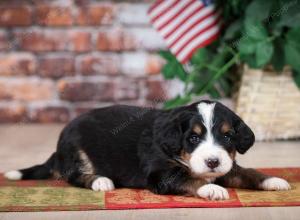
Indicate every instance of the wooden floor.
{"type": "Point", "coordinates": [24, 145]}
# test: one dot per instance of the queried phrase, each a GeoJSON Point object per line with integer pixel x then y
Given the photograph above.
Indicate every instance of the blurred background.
{"type": "Point", "coordinates": [61, 58]}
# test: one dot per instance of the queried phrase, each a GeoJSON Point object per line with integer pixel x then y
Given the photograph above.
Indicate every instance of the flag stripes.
{"type": "Point", "coordinates": [186, 25]}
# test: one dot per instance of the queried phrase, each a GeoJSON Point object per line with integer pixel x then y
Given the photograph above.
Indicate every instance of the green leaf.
{"type": "Point", "coordinates": [255, 30]}
{"type": "Point", "coordinates": [292, 48]}
{"type": "Point", "coordinates": [296, 75]}
{"type": "Point", "coordinates": [277, 59]}
{"type": "Point", "coordinates": [200, 81]}
{"type": "Point", "coordinates": [168, 71]}
{"type": "Point", "coordinates": [249, 59]}
{"type": "Point", "coordinates": [200, 57]}
{"type": "Point", "coordinates": [290, 14]}
{"type": "Point", "coordinates": [181, 74]}
{"type": "Point", "coordinates": [258, 10]}
{"type": "Point", "coordinates": [225, 85]}
{"type": "Point", "coordinates": [255, 42]}
{"type": "Point", "coordinates": [177, 101]}
{"type": "Point", "coordinates": [219, 59]}
{"type": "Point", "coordinates": [292, 56]}
{"type": "Point", "coordinates": [263, 53]}
{"type": "Point", "coordinates": [172, 68]}
{"type": "Point", "coordinates": [233, 30]}
{"type": "Point", "coordinates": [247, 45]}
{"type": "Point", "coordinates": [293, 36]}
{"type": "Point", "coordinates": [167, 55]}
{"type": "Point", "coordinates": [214, 93]}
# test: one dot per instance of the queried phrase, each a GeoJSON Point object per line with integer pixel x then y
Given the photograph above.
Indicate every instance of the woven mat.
{"type": "Point", "coordinates": [53, 195]}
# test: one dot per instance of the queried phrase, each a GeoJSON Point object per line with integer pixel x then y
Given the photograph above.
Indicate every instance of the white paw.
{"type": "Point", "coordinates": [13, 175]}
{"type": "Point", "coordinates": [213, 192]}
{"type": "Point", "coordinates": [275, 183]}
{"type": "Point", "coordinates": [103, 184]}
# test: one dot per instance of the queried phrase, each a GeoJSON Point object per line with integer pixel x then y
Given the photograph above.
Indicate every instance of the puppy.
{"type": "Point", "coordinates": [189, 150]}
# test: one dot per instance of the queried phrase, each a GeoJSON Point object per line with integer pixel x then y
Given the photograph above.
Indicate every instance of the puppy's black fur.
{"type": "Point", "coordinates": [139, 147]}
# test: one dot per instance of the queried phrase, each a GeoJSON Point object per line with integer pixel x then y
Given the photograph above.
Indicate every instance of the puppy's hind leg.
{"type": "Point", "coordinates": [91, 181]}
{"type": "Point", "coordinates": [84, 175]}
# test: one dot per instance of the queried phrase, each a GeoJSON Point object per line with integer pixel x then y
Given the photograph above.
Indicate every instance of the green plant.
{"type": "Point", "coordinates": [255, 32]}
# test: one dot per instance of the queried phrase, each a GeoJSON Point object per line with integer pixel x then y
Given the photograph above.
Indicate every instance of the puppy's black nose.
{"type": "Point", "coordinates": [212, 163]}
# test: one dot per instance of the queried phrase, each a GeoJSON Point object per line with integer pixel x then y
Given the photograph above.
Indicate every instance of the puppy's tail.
{"type": "Point", "coordinates": [43, 171]}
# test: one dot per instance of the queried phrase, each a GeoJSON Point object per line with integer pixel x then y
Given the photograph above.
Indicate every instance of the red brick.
{"type": "Point", "coordinates": [154, 64]}
{"type": "Point", "coordinates": [42, 2]}
{"type": "Point", "coordinates": [50, 114]}
{"type": "Point", "coordinates": [56, 67]}
{"type": "Point", "coordinates": [134, 63]}
{"type": "Point", "coordinates": [88, 106]}
{"type": "Point", "coordinates": [17, 64]}
{"type": "Point", "coordinates": [82, 2]}
{"type": "Point", "coordinates": [99, 64]}
{"type": "Point", "coordinates": [56, 40]}
{"type": "Point", "coordinates": [156, 91]}
{"type": "Point", "coordinates": [86, 91]}
{"type": "Point", "coordinates": [14, 3]}
{"type": "Point", "coordinates": [80, 41]}
{"type": "Point", "coordinates": [26, 90]}
{"type": "Point", "coordinates": [115, 40]}
{"type": "Point", "coordinates": [12, 113]}
{"type": "Point", "coordinates": [4, 42]}
{"type": "Point", "coordinates": [41, 41]}
{"type": "Point", "coordinates": [15, 16]}
{"type": "Point", "coordinates": [54, 16]}
{"type": "Point", "coordinates": [81, 110]}
{"type": "Point", "coordinates": [95, 15]}
{"type": "Point", "coordinates": [126, 89]}
{"type": "Point", "coordinates": [146, 38]}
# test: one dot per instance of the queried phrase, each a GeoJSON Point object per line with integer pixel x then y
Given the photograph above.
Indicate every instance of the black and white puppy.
{"type": "Point", "coordinates": [189, 150]}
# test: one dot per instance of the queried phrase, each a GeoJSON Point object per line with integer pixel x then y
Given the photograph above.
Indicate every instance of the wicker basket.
{"type": "Point", "coordinates": [270, 104]}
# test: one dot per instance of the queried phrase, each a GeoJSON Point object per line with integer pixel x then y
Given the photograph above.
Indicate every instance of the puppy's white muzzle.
{"type": "Point", "coordinates": [210, 159]}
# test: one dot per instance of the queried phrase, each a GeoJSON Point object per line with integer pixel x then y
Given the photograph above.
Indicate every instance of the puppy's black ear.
{"type": "Point", "coordinates": [168, 130]}
{"type": "Point", "coordinates": [245, 136]}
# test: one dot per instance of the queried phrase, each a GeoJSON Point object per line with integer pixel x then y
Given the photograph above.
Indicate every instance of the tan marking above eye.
{"type": "Point", "coordinates": [225, 127]}
{"type": "Point", "coordinates": [197, 129]}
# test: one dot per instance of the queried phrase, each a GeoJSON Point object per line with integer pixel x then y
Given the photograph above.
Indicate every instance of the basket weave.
{"type": "Point", "coordinates": [270, 104]}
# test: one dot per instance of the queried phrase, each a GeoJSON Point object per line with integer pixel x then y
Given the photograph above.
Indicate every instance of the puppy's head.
{"type": "Point", "coordinates": [205, 137]}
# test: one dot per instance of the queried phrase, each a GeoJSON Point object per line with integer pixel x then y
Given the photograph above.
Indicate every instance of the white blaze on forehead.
{"type": "Point", "coordinates": [207, 112]}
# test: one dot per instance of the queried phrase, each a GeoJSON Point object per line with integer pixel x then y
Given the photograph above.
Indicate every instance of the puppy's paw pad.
{"type": "Point", "coordinates": [275, 183]}
{"type": "Point", "coordinates": [213, 192]}
{"type": "Point", "coordinates": [103, 184]}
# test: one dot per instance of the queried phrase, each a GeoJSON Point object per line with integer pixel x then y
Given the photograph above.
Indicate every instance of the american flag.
{"type": "Point", "coordinates": [186, 25]}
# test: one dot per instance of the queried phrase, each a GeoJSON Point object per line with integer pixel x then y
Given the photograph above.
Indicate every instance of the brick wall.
{"type": "Point", "coordinates": [60, 58]}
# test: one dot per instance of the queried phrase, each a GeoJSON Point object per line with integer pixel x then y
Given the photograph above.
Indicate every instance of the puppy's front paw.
{"type": "Point", "coordinates": [213, 192]}
{"type": "Point", "coordinates": [103, 184]}
{"type": "Point", "coordinates": [275, 183]}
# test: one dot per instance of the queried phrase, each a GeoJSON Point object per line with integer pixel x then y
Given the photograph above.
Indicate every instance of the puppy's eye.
{"type": "Point", "coordinates": [194, 139]}
{"type": "Point", "coordinates": [228, 135]}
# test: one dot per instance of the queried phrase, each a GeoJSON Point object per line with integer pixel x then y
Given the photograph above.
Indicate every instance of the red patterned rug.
{"type": "Point", "coordinates": [53, 195]}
